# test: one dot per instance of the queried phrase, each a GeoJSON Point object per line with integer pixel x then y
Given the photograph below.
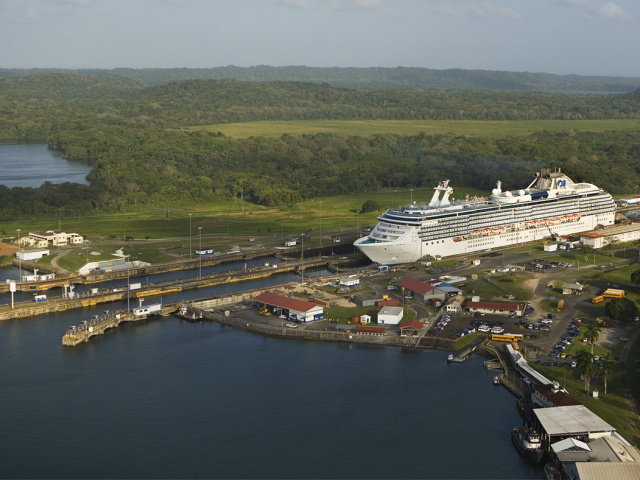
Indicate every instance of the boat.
{"type": "Point", "coordinates": [527, 442]}
{"type": "Point", "coordinates": [431, 230]}
{"type": "Point", "coordinates": [496, 380]}
{"type": "Point", "coordinates": [450, 358]}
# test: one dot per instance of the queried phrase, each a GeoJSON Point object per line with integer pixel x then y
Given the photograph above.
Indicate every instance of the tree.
{"type": "Point", "coordinates": [621, 308]}
{"type": "Point", "coordinates": [592, 333]}
{"type": "Point", "coordinates": [635, 276]}
{"type": "Point", "coordinates": [608, 368]}
{"type": "Point", "coordinates": [586, 367]}
{"type": "Point", "coordinates": [370, 206]}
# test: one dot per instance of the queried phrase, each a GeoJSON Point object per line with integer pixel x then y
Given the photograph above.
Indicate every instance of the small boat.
{"type": "Point", "coordinates": [527, 442]}
{"type": "Point", "coordinates": [450, 358]}
{"type": "Point", "coordinates": [496, 380]}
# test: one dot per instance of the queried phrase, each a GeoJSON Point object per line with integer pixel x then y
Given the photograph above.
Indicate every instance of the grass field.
{"type": "Point", "coordinates": [494, 129]}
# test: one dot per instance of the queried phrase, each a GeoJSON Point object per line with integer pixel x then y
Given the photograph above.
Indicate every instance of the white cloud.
{"type": "Point", "coordinates": [447, 10]}
{"type": "Point", "coordinates": [365, 4]}
{"type": "Point", "coordinates": [304, 4]}
{"type": "Point", "coordinates": [612, 11]}
{"type": "Point", "coordinates": [571, 3]}
{"type": "Point", "coordinates": [82, 3]}
{"type": "Point", "coordinates": [485, 10]}
{"type": "Point", "coordinates": [31, 15]}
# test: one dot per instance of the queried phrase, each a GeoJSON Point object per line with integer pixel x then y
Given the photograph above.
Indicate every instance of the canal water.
{"type": "Point", "coordinates": [165, 398]}
{"type": "Point", "coordinates": [30, 165]}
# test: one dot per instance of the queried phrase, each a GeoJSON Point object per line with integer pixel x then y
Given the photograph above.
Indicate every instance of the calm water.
{"type": "Point", "coordinates": [30, 165]}
{"type": "Point", "coordinates": [166, 398]}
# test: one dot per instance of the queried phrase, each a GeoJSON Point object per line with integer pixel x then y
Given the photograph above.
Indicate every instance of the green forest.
{"type": "Point", "coordinates": [134, 138]}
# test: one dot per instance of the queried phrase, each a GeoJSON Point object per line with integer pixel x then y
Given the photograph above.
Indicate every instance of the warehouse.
{"type": "Point", "coordinates": [294, 309]}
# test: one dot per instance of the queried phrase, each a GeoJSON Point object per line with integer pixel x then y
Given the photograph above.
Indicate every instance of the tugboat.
{"type": "Point", "coordinates": [528, 443]}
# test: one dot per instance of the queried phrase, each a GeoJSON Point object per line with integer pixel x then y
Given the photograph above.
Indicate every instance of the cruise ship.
{"type": "Point", "coordinates": [552, 205]}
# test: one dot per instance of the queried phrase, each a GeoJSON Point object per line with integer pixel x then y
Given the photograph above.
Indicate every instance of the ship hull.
{"type": "Point", "coordinates": [411, 248]}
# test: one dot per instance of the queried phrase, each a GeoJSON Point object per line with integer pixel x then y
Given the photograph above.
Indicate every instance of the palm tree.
{"type": "Point", "coordinates": [608, 368]}
{"type": "Point", "coordinates": [586, 367]}
{"type": "Point", "coordinates": [592, 333]}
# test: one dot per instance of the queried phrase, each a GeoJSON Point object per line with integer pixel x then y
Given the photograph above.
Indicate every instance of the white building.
{"type": "Point", "coordinates": [32, 254]}
{"type": "Point", "coordinates": [390, 315]}
{"type": "Point", "coordinates": [51, 238]}
{"type": "Point", "coordinates": [350, 281]}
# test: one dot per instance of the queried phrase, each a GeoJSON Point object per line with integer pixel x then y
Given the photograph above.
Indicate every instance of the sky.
{"type": "Point", "coordinates": [583, 37]}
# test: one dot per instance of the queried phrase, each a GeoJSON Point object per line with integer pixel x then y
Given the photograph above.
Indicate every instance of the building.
{"type": "Point", "coordinates": [454, 305]}
{"type": "Point", "coordinates": [571, 288]}
{"type": "Point", "coordinates": [350, 281]}
{"type": "Point", "coordinates": [51, 238]}
{"type": "Point", "coordinates": [294, 309]}
{"type": "Point", "coordinates": [390, 315]}
{"type": "Point", "coordinates": [411, 328]}
{"type": "Point", "coordinates": [496, 308]}
{"type": "Point", "coordinates": [552, 395]}
{"type": "Point", "coordinates": [586, 446]}
{"type": "Point", "coordinates": [32, 254]}
{"type": "Point", "coordinates": [612, 235]}
{"type": "Point", "coordinates": [433, 291]}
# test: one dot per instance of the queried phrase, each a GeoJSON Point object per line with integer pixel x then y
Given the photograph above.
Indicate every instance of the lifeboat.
{"type": "Point", "coordinates": [485, 231]}
{"type": "Point", "coordinates": [498, 229]}
{"type": "Point", "coordinates": [575, 216]}
{"type": "Point", "coordinates": [457, 239]}
{"type": "Point", "coordinates": [475, 232]}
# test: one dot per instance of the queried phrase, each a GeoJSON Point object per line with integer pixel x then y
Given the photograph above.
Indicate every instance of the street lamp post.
{"type": "Point", "coordinates": [302, 257]}
{"type": "Point", "coordinates": [320, 206]}
{"type": "Point", "coordinates": [190, 236]}
{"type": "Point", "coordinates": [19, 257]}
{"type": "Point", "coordinates": [200, 236]}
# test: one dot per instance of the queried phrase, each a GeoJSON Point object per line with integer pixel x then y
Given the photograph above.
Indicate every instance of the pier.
{"type": "Point", "coordinates": [101, 323]}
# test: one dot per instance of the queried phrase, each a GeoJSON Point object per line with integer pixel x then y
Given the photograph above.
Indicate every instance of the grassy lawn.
{"type": "Point", "coordinates": [343, 315]}
{"type": "Point", "coordinates": [493, 129]}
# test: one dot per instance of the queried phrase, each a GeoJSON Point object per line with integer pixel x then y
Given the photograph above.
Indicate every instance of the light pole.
{"type": "Point", "coordinates": [320, 205]}
{"type": "Point", "coordinates": [200, 236]}
{"type": "Point", "coordinates": [302, 257]}
{"type": "Point", "coordinates": [190, 236]}
{"type": "Point", "coordinates": [19, 257]}
{"type": "Point", "coordinates": [411, 196]}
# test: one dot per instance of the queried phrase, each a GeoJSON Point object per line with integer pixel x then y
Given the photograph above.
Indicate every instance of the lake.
{"type": "Point", "coordinates": [30, 165]}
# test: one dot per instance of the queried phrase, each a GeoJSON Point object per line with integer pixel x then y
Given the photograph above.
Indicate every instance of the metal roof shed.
{"type": "Point", "coordinates": [572, 420]}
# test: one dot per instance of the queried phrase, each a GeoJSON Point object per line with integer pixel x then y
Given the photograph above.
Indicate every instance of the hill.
{"type": "Point", "coordinates": [373, 77]}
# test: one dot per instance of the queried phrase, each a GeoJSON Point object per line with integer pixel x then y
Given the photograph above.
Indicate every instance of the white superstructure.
{"type": "Point", "coordinates": [551, 205]}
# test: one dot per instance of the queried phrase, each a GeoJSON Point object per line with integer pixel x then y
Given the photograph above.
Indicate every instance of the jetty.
{"type": "Point", "coordinates": [101, 323]}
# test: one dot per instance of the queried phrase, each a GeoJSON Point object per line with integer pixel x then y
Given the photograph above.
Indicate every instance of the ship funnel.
{"type": "Point", "coordinates": [445, 197]}
{"type": "Point", "coordinates": [442, 187]}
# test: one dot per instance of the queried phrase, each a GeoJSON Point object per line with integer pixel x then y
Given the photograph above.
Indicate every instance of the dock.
{"type": "Point", "coordinates": [101, 323]}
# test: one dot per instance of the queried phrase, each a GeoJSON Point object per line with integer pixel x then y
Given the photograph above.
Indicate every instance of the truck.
{"type": "Point", "coordinates": [39, 298]}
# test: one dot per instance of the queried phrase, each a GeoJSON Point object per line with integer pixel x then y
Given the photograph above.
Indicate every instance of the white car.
{"type": "Point", "coordinates": [484, 328]}
{"type": "Point", "coordinates": [497, 330]}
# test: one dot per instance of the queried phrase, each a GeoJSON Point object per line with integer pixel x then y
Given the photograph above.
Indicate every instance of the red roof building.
{"type": "Point", "coordinates": [551, 395]}
{"type": "Point", "coordinates": [299, 310]}
{"type": "Point", "coordinates": [496, 308]}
